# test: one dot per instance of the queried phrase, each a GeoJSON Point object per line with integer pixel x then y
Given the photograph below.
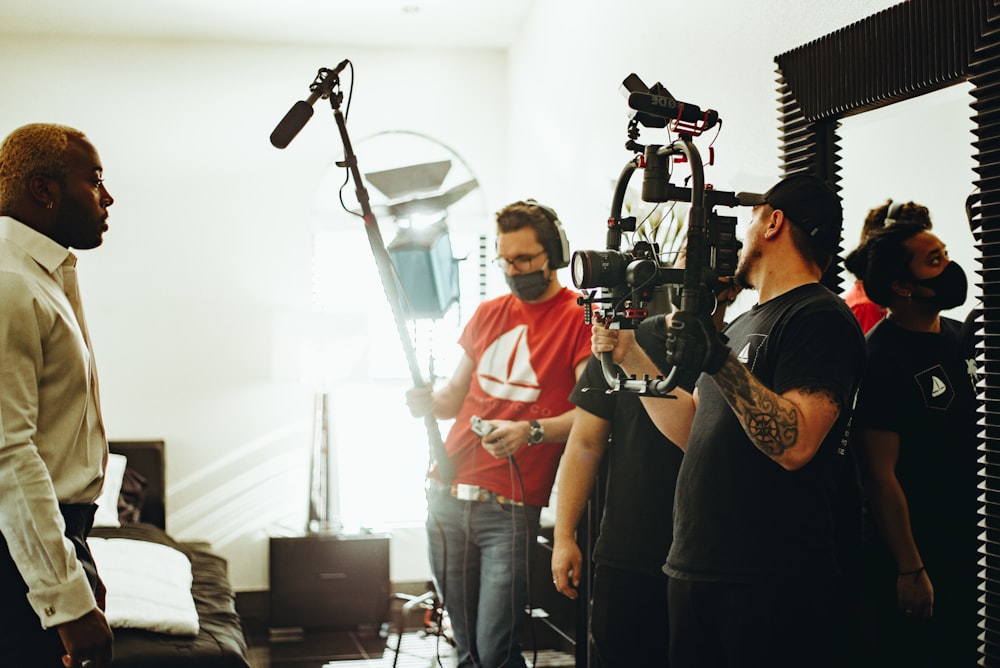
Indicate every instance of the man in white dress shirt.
{"type": "Point", "coordinates": [53, 448]}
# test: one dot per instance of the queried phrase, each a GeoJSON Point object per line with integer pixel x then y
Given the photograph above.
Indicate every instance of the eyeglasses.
{"type": "Point", "coordinates": [522, 262]}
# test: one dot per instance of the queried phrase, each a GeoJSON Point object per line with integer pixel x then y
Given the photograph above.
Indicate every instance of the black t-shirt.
{"type": "Point", "coordinates": [921, 386]}
{"type": "Point", "coordinates": [642, 467]}
{"type": "Point", "coordinates": [738, 515]}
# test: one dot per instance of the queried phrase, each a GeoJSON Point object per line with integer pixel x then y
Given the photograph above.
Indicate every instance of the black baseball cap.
{"type": "Point", "coordinates": [809, 203]}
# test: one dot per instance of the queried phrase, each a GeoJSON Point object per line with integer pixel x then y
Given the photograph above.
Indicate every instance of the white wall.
{"type": "Point", "coordinates": [210, 235]}
{"type": "Point", "coordinates": [210, 246]}
{"type": "Point", "coordinates": [569, 118]}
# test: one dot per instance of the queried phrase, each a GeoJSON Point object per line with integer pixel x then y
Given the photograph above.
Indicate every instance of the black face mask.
{"type": "Point", "coordinates": [528, 287]}
{"type": "Point", "coordinates": [950, 287]}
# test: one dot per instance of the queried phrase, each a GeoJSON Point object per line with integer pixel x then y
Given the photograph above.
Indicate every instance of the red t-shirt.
{"type": "Point", "coordinates": [525, 356]}
{"type": "Point", "coordinates": [865, 310]}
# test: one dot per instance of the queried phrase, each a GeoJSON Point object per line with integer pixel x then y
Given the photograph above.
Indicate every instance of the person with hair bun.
{"type": "Point", "coordinates": [865, 310]}
{"type": "Point", "coordinates": [914, 432]}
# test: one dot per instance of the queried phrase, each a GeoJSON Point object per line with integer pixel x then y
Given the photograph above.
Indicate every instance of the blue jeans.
{"type": "Point", "coordinates": [479, 556]}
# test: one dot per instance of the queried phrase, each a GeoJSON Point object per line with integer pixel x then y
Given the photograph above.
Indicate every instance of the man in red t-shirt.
{"type": "Point", "coordinates": [523, 354]}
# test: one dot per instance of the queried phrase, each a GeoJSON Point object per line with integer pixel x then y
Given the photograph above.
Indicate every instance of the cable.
{"type": "Point", "coordinates": [440, 610]}
{"type": "Point", "coordinates": [527, 559]}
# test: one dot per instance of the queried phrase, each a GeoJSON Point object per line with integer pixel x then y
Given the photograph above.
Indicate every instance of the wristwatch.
{"type": "Point", "coordinates": [537, 432]}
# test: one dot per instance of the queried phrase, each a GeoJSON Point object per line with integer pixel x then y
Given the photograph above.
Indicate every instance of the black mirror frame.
{"type": "Point", "coordinates": [907, 50]}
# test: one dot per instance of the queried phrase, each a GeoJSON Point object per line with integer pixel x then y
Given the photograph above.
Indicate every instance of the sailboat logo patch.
{"type": "Point", "coordinates": [505, 369]}
{"type": "Point", "coordinates": [748, 353]}
{"type": "Point", "coordinates": [936, 387]}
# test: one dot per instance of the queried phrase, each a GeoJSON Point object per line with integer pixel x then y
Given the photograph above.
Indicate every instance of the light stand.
{"type": "Point", "coordinates": [324, 87]}
{"type": "Point", "coordinates": [324, 472]}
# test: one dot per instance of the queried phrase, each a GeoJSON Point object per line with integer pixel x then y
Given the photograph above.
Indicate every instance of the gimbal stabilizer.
{"type": "Point", "coordinates": [624, 280]}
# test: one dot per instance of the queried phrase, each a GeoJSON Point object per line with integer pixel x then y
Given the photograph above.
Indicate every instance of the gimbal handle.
{"type": "Point", "coordinates": [692, 294]}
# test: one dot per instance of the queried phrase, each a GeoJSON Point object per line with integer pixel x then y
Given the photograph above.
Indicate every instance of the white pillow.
{"type": "Point", "coordinates": [107, 503]}
{"type": "Point", "coordinates": [149, 586]}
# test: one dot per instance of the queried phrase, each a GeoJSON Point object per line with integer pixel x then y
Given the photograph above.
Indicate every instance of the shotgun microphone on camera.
{"type": "Point", "coordinates": [663, 106]}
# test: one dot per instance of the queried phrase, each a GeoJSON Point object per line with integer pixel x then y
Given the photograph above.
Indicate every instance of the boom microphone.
{"type": "Point", "coordinates": [669, 108]}
{"type": "Point", "coordinates": [302, 111]}
{"type": "Point", "coordinates": [294, 120]}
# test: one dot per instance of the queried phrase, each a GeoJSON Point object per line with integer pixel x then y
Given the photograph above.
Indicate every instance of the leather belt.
{"type": "Point", "coordinates": [474, 493]}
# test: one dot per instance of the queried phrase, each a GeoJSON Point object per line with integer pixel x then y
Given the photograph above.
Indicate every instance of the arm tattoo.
{"type": "Point", "coordinates": [772, 428]}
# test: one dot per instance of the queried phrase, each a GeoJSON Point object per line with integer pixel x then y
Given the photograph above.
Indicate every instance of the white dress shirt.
{"type": "Point", "coordinates": [53, 447]}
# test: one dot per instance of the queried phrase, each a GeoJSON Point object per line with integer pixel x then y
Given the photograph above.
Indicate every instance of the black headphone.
{"type": "Point", "coordinates": [557, 245]}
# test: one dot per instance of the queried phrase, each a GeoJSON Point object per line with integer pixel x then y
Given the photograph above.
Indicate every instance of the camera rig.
{"type": "Point", "coordinates": [618, 285]}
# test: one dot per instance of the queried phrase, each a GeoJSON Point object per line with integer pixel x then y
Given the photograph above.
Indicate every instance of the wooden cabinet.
{"type": "Point", "coordinates": [329, 581]}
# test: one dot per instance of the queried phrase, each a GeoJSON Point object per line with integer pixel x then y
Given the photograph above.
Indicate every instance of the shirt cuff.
{"type": "Point", "coordinates": [67, 602]}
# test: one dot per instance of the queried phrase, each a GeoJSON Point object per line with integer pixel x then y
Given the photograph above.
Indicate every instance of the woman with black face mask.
{"type": "Point", "coordinates": [914, 432]}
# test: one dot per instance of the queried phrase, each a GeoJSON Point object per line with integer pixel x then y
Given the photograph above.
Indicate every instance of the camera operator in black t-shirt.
{"type": "Point", "coordinates": [753, 573]}
{"type": "Point", "coordinates": [628, 608]}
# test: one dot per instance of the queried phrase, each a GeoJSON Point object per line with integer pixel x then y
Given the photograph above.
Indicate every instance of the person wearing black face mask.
{"type": "Point", "coordinates": [914, 429]}
{"type": "Point", "coordinates": [523, 353]}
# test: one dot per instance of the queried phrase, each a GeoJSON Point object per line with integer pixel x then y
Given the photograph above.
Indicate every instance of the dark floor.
{"type": "Point", "coordinates": [346, 649]}
{"type": "Point", "coordinates": [370, 646]}
{"type": "Point", "coordinates": [317, 649]}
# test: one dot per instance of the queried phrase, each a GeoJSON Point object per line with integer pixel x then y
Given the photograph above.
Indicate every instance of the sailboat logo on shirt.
{"type": "Point", "coordinates": [936, 387]}
{"type": "Point", "coordinates": [505, 369]}
{"type": "Point", "coordinates": [748, 353]}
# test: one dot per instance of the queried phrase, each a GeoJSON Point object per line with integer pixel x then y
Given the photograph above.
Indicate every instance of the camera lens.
{"type": "Point", "coordinates": [580, 269]}
{"type": "Point", "coordinates": [598, 269]}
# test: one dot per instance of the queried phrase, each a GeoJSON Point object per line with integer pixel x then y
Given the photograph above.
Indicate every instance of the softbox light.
{"type": "Point", "coordinates": [427, 271]}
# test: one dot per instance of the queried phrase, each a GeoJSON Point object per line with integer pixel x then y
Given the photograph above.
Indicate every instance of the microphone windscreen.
{"type": "Point", "coordinates": [289, 126]}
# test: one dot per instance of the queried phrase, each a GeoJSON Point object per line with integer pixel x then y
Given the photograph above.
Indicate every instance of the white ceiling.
{"type": "Point", "coordinates": [442, 23]}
